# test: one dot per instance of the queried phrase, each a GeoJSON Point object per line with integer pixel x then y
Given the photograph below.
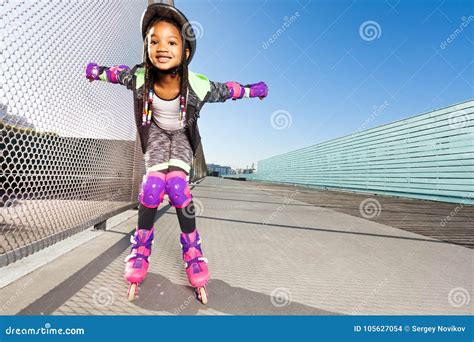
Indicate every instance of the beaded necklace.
{"type": "Point", "coordinates": [148, 109]}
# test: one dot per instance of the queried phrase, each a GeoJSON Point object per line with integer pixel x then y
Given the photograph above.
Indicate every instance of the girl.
{"type": "Point", "coordinates": [167, 101]}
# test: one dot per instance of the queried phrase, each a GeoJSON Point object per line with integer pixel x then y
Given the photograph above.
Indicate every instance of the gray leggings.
{"type": "Point", "coordinates": [168, 149]}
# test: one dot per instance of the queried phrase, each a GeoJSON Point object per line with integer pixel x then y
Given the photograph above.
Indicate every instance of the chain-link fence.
{"type": "Point", "coordinates": [70, 156]}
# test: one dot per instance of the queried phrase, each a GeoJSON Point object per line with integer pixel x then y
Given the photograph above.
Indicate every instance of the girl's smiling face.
{"type": "Point", "coordinates": [165, 45]}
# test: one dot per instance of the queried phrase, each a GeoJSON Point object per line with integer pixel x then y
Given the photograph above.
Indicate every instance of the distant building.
{"type": "Point", "coordinates": [246, 170]}
{"type": "Point", "coordinates": [218, 170]}
{"type": "Point", "coordinates": [13, 120]}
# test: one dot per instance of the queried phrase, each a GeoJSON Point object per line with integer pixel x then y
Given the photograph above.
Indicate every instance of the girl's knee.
{"type": "Point", "coordinates": [153, 189]}
{"type": "Point", "coordinates": [177, 188]}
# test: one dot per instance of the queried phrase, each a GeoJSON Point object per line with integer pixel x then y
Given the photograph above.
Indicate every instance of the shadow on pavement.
{"type": "Point", "coordinates": [157, 293]}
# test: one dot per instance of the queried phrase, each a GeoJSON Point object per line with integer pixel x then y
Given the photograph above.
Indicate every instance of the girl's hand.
{"type": "Point", "coordinates": [92, 72]}
{"type": "Point", "coordinates": [259, 90]}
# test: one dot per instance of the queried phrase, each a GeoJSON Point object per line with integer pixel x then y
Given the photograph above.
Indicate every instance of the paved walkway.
{"type": "Point", "coordinates": [269, 254]}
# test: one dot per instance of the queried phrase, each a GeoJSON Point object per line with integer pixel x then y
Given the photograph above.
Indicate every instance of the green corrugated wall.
{"type": "Point", "coordinates": [428, 156]}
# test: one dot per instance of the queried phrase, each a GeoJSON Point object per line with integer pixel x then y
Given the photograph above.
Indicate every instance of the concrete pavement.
{"type": "Point", "coordinates": [268, 254]}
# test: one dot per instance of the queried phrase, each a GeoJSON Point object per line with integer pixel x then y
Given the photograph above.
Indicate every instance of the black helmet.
{"type": "Point", "coordinates": [160, 10]}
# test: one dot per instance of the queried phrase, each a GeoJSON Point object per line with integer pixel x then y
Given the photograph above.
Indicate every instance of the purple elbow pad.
{"type": "Point", "coordinates": [92, 71]}
{"type": "Point", "coordinates": [259, 89]}
{"type": "Point", "coordinates": [112, 72]}
{"type": "Point", "coordinates": [236, 90]}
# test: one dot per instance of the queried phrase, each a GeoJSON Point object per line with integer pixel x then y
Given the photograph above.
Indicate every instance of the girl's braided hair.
{"type": "Point", "coordinates": [183, 69]}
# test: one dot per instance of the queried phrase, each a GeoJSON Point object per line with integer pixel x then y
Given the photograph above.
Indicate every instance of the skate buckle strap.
{"type": "Point", "coordinates": [136, 256]}
{"type": "Point", "coordinates": [195, 260]}
{"type": "Point", "coordinates": [195, 244]}
{"type": "Point", "coordinates": [139, 243]}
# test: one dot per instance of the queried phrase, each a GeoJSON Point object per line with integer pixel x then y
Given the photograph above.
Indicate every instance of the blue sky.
{"type": "Point", "coordinates": [328, 76]}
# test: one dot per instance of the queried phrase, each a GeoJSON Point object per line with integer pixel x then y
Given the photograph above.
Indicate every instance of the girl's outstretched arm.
{"type": "Point", "coordinates": [221, 92]}
{"type": "Point", "coordinates": [115, 74]}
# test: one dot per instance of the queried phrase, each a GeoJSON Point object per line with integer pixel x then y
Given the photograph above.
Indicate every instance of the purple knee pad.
{"type": "Point", "coordinates": [153, 189]}
{"type": "Point", "coordinates": [177, 189]}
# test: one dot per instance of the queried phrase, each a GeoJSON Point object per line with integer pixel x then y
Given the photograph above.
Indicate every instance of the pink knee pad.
{"type": "Point", "coordinates": [177, 189]}
{"type": "Point", "coordinates": [153, 189]}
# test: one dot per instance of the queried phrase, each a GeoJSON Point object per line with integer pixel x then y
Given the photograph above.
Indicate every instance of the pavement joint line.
{"type": "Point", "coordinates": [242, 188]}
{"type": "Point", "coordinates": [115, 232]}
{"type": "Point", "coordinates": [304, 204]}
{"type": "Point", "coordinates": [251, 201]}
{"type": "Point", "coordinates": [326, 230]}
{"type": "Point", "coordinates": [266, 194]}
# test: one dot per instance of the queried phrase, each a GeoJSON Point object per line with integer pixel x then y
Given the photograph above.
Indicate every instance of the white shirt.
{"type": "Point", "coordinates": [166, 113]}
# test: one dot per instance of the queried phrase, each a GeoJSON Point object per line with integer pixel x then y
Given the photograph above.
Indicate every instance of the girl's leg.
{"type": "Point", "coordinates": [179, 193]}
{"type": "Point", "coordinates": [186, 218]}
{"type": "Point", "coordinates": [147, 211]}
{"type": "Point", "coordinates": [186, 215]}
{"type": "Point", "coordinates": [150, 197]}
{"type": "Point", "coordinates": [137, 262]}
{"type": "Point", "coordinates": [152, 189]}
{"type": "Point", "coordinates": [181, 157]}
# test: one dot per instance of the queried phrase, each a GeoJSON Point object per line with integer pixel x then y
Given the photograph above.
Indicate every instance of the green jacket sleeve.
{"type": "Point", "coordinates": [206, 90]}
